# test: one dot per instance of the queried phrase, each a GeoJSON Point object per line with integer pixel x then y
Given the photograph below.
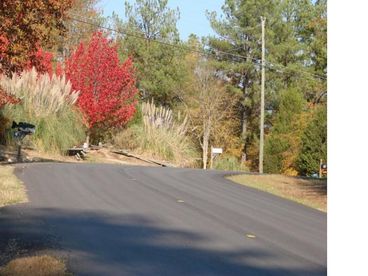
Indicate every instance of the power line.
{"type": "Point", "coordinates": [140, 36]}
{"type": "Point", "coordinates": [269, 65]}
{"type": "Point", "coordinates": [282, 67]}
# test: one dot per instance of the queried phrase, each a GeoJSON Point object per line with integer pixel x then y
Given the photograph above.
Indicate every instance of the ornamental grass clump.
{"type": "Point", "coordinates": [160, 136]}
{"type": "Point", "coordinates": [42, 94]}
{"type": "Point", "coordinates": [47, 102]}
{"type": "Point", "coordinates": [159, 117]}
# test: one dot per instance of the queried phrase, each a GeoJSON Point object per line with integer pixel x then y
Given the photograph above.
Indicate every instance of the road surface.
{"type": "Point", "coordinates": [121, 220]}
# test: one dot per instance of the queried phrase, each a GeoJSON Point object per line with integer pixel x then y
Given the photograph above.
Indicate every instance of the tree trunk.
{"type": "Point", "coordinates": [87, 139]}
{"type": "Point", "coordinates": [244, 123]}
{"type": "Point", "coordinates": [206, 138]}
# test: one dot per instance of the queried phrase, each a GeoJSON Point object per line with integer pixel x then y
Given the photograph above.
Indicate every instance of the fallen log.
{"type": "Point", "coordinates": [126, 153]}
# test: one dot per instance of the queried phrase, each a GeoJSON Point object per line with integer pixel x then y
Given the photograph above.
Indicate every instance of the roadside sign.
{"type": "Point", "coordinates": [214, 152]}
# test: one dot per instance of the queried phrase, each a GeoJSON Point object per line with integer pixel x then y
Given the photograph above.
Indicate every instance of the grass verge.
{"type": "Point", "coordinates": [38, 265]}
{"type": "Point", "coordinates": [11, 189]}
{"type": "Point", "coordinates": [309, 192]}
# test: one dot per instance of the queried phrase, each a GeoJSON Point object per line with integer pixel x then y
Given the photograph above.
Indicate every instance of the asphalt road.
{"type": "Point", "coordinates": [120, 220]}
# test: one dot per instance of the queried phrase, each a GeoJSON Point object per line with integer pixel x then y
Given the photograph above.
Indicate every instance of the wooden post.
{"type": "Point", "coordinates": [261, 126]}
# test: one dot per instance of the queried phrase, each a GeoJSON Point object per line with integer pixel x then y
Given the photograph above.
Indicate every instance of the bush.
{"type": "Point", "coordinates": [275, 147]}
{"type": "Point", "coordinates": [229, 163]}
{"type": "Point", "coordinates": [48, 103]}
{"type": "Point", "coordinates": [159, 136]}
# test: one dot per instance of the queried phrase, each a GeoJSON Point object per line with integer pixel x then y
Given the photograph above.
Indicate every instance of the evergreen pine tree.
{"type": "Point", "coordinates": [283, 143]}
{"type": "Point", "coordinates": [161, 70]}
{"type": "Point", "coordinates": [314, 143]}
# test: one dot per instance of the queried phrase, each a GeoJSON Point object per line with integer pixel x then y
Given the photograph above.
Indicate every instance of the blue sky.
{"type": "Point", "coordinates": [193, 17]}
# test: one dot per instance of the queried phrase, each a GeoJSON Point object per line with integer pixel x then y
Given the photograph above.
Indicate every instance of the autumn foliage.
{"type": "Point", "coordinates": [41, 60]}
{"type": "Point", "coordinates": [107, 88]}
{"type": "Point", "coordinates": [25, 27]}
{"type": "Point", "coordinates": [6, 98]}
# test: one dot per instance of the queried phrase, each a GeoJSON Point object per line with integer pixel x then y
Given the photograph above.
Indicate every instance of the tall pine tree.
{"type": "Point", "coordinates": [160, 67]}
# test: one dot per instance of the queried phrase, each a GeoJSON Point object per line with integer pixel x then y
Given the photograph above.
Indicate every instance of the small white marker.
{"type": "Point", "coordinates": [250, 236]}
{"type": "Point", "coordinates": [180, 201]}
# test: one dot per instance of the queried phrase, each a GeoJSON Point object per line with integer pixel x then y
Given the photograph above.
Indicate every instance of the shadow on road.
{"type": "Point", "coordinates": [100, 244]}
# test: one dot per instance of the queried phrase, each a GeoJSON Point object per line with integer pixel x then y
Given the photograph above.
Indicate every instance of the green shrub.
{"type": "Point", "coordinates": [275, 146]}
{"type": "Point", "coordinates": [229, 163]}
{"type": "Point", "coordinates": [48, 103]}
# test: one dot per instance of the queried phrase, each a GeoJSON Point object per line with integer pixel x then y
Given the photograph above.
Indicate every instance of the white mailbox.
{"type": "Point", "coordinates": [216, 150]}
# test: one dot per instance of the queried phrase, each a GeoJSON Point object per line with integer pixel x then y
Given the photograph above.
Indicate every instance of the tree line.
{"type": "Point", "coordinates": [214, 80]}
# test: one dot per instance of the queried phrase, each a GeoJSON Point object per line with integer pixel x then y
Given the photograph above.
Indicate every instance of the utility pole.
{"type": "Point", "coordinates": [261, 127]}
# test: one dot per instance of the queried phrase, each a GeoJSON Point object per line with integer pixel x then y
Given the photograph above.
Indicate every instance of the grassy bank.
{"type": "Point", "coordinates": [11, 189]}
{"type": "Point", "coordinates": [310, 192]}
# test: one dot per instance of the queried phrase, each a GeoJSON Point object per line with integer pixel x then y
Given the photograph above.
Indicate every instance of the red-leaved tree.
{"type": "Point", "coordinates": [41, 60]}
{"type": "Point", "coordinates": [107, 88]}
